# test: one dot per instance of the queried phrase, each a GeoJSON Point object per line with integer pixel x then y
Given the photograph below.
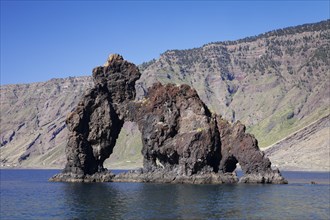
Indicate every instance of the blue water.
{"type": "Point", "coordinates": [26, 194]}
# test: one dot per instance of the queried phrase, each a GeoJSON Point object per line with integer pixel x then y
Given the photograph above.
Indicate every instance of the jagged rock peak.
{"type": "Point", "coordinates": [113, 58]}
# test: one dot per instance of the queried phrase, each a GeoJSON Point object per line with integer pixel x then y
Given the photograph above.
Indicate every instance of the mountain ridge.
{"type": "Point", "coordinates": [283, 65]}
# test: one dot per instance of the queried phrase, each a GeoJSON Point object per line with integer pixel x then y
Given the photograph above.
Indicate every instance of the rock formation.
{"type": "Point", "coordinates": [240, 147]}
{"type": "Point", "coordinates": [96, 122]}
{"type": "Point", "coordinates": [183, 142]}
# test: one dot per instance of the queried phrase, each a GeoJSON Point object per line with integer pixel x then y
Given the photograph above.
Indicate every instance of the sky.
{"type": "Point", "coordinates": [41, 40]}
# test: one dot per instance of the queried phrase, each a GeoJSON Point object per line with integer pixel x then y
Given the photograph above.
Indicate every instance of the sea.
{"type": "Point", "coordinates": [27, 194]}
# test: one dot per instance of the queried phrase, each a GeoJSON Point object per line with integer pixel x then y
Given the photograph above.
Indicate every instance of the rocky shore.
{"type": "Point", "coordinates": [161, 176]}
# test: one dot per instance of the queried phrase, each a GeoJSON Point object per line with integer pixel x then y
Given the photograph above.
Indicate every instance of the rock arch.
{"type": "Point", "coordinates": [183, 142]}
{"type": "Point", "coordinates": [96, 122]}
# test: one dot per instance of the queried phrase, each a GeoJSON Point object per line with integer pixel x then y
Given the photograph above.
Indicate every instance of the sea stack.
{"type": "Point", "coordinates": [183, 142]}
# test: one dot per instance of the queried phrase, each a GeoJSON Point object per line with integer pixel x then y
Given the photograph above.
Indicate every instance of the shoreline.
{"type": "Point", "coordinates": [134, 168]}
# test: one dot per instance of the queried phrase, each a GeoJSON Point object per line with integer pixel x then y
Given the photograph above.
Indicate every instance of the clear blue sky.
{"type": "Point", "coordinates": [41, 40]}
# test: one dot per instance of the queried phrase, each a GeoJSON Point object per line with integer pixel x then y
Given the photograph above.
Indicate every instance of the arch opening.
{"type": "Point", "coordinates": [230, 164]}
{"type": "Point", "coordinates": [126, 154]}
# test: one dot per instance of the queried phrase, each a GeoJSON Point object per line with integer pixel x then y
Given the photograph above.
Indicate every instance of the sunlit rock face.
{"type": "Point", "coordinates": [183, 142]}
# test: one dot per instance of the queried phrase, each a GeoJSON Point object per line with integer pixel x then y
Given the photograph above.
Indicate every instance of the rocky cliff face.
{"type": "Point", "coordinates": [178, 131]}
{"type": "Point", "coordinates": [274, 83]}
{"type": "Point", "coordinates": [182, 142]}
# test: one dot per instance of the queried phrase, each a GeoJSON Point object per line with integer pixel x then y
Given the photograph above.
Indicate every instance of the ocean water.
{"type": "Point", "coordinates": [26, 194]}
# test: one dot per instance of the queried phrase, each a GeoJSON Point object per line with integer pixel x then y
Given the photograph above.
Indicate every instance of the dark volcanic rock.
{"type": "Point", "coordinates": [240, 147]}
{"type": "Point", "coordinates": [159, 175]}
{"type": "Point", "coordinates": [183, 142]}
{"type": "Point", "coordinates": [178, 131]}
{"type": "Point", "coordinates": [96, 122]}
